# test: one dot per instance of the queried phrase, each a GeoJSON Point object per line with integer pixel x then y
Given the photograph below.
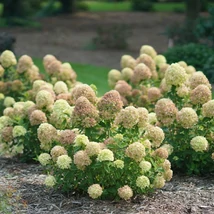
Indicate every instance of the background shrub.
{"type": "Point", "coordinates": [142, 5]}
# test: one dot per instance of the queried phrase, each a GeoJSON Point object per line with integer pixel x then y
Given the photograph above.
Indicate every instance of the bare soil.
{"type": "Point", "coordinates": [66, 37]}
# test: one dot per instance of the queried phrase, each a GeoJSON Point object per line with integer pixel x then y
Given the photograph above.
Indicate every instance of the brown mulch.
{"type": "Point", "coordinates": [181, 195]}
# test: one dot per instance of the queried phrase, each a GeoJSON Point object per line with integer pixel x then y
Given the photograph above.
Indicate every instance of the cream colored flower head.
{"type": "Point", "coordinates": [19, 131]}
{"type": "Point", "coordinates": [119, 164]}
{"type": "Point", "coordinates": [25, 62]}
{"type": "Point", "coordinates": [60, 87]}
{"type": "Point", "coordinates": [155, 134]}
{"type": "Point", "coordinates": [8, 59]}
{"type": "Point", "coordinates": [92, 148]}
{"type": "Point", "coordinates": [127, 61]}
{"type": "Point", "coordinates": [200, 95]}
{"type": "Point", "coordinates": [152, 118]}
{"type": "Point", "coordinates": [198, 78]}
{"type": "Point", "coordinates": [208, 109]}
{"type": "Point", "coordinates": [61, 107]}
{"type": "Point", "coordinates": [5, 121]}
{"type": "Point", "coordinates": [44, 99]}
{"type": "Point", "coordinates": [105, 155]}
{"type": "Point", "coordinates": [183, 90]}
{"type": "Point", "coordinates": [147, 49]}
{"type": "Point", "coordinates": [142, 182]}
{"type": "Point", "coordinates": [109, 105]}
{"type": "Point", "coordinates": [153, 94]}
{"type": "Point", "coordinates": [187, 117]}
{"type": "Point", "coordinates": [95, 191]}
{"type": "Point", "coordinates": [165, 111]}
{"type": "Point", "coordinates": [64, 162]}
{"type": "Point", "coordinates": [8, 101]}
{"type": "Point", "coordinates": [53, 67]}
{"type": "Point", "coordinates": [182, 64]}
{"type": "Point", "coordinates": [175, 75]}
{"type": "Point", "coordinates": [67, 136]}
{"type": "Point", "coordinates": [143, 116]}
{"type": "Point", "coordinates": [127, 117]}
{"type": "Point", "coordinates": [136, 151]}
{"type": "Point", "coordinates": [190, 69]}
{"type": "Point", "coordinates": [199, 143]}
{"type": "Point", "coordinates": [161, 153]}
{"type": "Point", "coordinates": [159, 182]}
{"type": "Point", "coordinates": [145, 166]}
{"type": "Point", "coordinates": [50, 181]}
{"type": "Point", "coordinates": [168, 175]}
{"type": "Point", "coordinates": [81, 159]}
{"type": "Point", "coordinates": [159, 60]}
{"type": "Point", "coordinates": [127, 73]}
{"type": "Point", "coordinates": [37, 117]}
{"type": "Point", "coordinates": [164, 87]}
{"type": "Point", "coordinates": [166, 165]}
{"type": "Point", "coordinates": [125, 192]}
{"type": "Point", "coordinates": [168, 147]}
{"type": "Point", "coordinates": [81, 140]}
{"type": "Point", "coordinates": [147, 60]}
{"type": "Point", "coordinates": [56, 151]}
{"type": "Point", "coordinates": [44, 159]}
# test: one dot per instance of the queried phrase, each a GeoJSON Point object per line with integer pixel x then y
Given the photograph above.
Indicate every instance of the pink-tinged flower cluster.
{"type": "Point", "coordinates": [200, 95]}
{"type": "Point", "coordinates": [159, 181]}
{"type": "Point", "coordinates": [143, 117]}
{"type": "Point", "coordinates": [95, 191]}
{"type": "Point", "coordinates": [67, 136]}
{"type": "Point", "coordinates": [123, 88]}
{"type": "Point", "coordinates": [149, 50]}
{"type": "Point", "coordinates": [147, 60]}
{"type": "Point", "coordinates": [109, 105]}
{"type": "Point", "coordinates": [56, 151]}
{"type": "Point", "coordinates": [187, 117]}
{"type": "Point", "coordinates": [175, 75]}
{"type": "Point", "coordinates": [165, 111]}
{"type": "Point", "coordinates": [6, 134]}
{"type": "Point", "coordinates": [198, 78]}
{"type": "Point", "coordinates": [141, 72]}
{"type": "Point", "coordinates": [161, 153]}
{"type": "Point", "coordinates": [85, 91]}
{"type": "Point", "coordinates": [127, 117]}
{"type": "Point", "coordinates": [153, 94]}
{"type": "Point", "coordinates": [37, 117]}
{"type": "Point", "coordinates": [81, 159]}
{"type": "Point", "coordinates": [125, 192]}
{"type": "Point", "coordinates": [208, 109]}
{"type": "Point", "coordinates": [183, 90]}
{"type": "Point", "coordinates": [25, 62]}
{"type": "Point", "coordinates": [136, 151]}
{"type": "Point", "coordinates": [93, 148]}
{"type": "Point", "coordinates": [84, 114]}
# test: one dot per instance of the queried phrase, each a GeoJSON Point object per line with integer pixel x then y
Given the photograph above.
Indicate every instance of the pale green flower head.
{"type": "Point", "coordinates": [9, 101]}
{"type": "Point", "coordinates": [175, 75]}
{"type": "Point", "coordinates": [81, 140]}
{"type": "Point", "coordinates": [142, 182]}
{"type": "Point", "coordinates": [136, 151]}
{"type": "Point", "coordinates": [44, 159]}
{"type": "Point", "coordinates": [145, 166]}
{"type": "Point", "coordinates": [64, 162]}
{"type": "Point", "coordinates": [5, 121]}
{"type": "Point", "coordinates": [8, 59]}
{"type": "Point", "coordinates": [208, 109]}
{"type": "Point", "coordinates": [95, 191]}
{"type": "Point", "coordinates": [50, 181]}
{"type": "Point", "coordinates": [118, 137]}
{"type": "Point", "coordinates": [114, 75]}
{"type": "Point", "coordinates": [92, 148]}
{"type": "Point", "coordinates": [119, 164]}
{"type": "Point", "coordinates": [105, 155]}
{"type": "Point", "coordinates": [160, 59]}
{"type": "Point", "coordinates": [1, 96]}
{"type": "Point", "coordinates": [1, 71]}
{"type": "Point", "coordinates": [61, 107]}
{"type": "Point", "coordinates": [19, 131]}
{"type": "Point", "coordinates": [199, 143]}
{"type": "Point", "coordinates": [152, 118]}
{"type": "Point", "coordinates": [60, 87]}
{"type": "Point", "coordinates": [44, 98]}
{"type": "Point", "coordinates": [149, 50]}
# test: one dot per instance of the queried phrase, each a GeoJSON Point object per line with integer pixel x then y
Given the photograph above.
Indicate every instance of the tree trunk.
{"type": "Point", "coordinates": [68, 6]}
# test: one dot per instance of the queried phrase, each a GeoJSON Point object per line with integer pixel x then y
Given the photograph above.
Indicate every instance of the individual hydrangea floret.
{"type": "Point", "coordinates": [64, 162]}
{"type": "Point", "coordinates": [200, 95]}
{"type": "Point", "coordinates": [109, 105]}
{"type": "Point", "coordinates": [136, 151]}
{"type": "Point", "coordinates": [105, 155]}
{"type": "Point", "coordinates": [175, 75]}
{"type": "Point", "coordinates": [142, 182]}
{"type": "Point", "coordinates": [8, 59]}
{"type": "Point", "coordinates": [44, 159]}
{"type": "Point", "coordinates": [199, 143]}
{"type": "Point", "coordinates": [165, 111]}
{"type": "Point", "coordinates": [19, 131]}
{"type": "Point", "coordinates": [125, 192]}
{"type": "Point", "coordinates": [81, 159]}
{"type": "Point", "coordinates": [95, 191]}
{"type": "Point", "coordinates": [145, 166]}
{"type": "Point", "coordinates": [127, 117]}
{"type": "Point", "coordinates": [187, 117]}
{"type": "Point", "coordinates": [50, 181]}
{"type": "Point", "coordinates": [208, 109]}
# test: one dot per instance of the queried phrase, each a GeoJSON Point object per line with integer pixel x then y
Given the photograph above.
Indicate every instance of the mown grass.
{"type": "Point", "coordinates": [88, 74]}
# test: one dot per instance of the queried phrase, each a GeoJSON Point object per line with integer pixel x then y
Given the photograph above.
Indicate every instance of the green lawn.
{"type": "Point", "coordinates": [89, 74]}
